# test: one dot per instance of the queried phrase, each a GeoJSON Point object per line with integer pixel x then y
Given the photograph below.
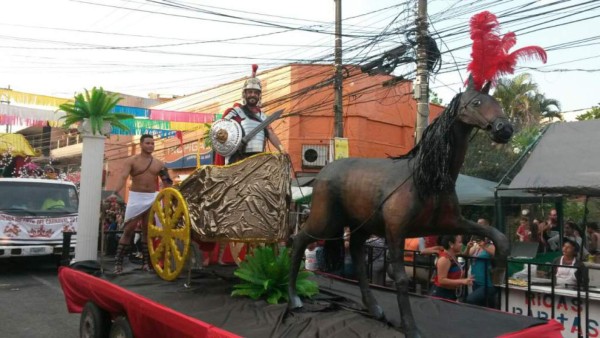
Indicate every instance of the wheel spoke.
{"type": "Point", "coordinates": [175, 251]}
{"type": "Point", "coordinates": [154, 231]}
{"type": "Point", "coordinates": [161, 216]}
{"type": "Point", "coordinates": [176, 215]}
{"type": "Point", "coordinates": [180, 234]}
{"type": "Point", "coordinates": [167, 260]}
{"type": "Point", "coordinates": [160, 249]}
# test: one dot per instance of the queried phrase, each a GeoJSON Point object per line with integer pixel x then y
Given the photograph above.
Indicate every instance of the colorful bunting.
{"type": "Point", "coordinates": [135, 111]}
{"type": "Point", "coordinates": [16, 97]}
{"type": "Point", "coordinates": [162, 123]}
{"type": "Point", "coordinates": [175, 116]}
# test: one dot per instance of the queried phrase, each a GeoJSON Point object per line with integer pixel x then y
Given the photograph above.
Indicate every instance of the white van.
{"type": "Point", "coordinates": [34, 213]}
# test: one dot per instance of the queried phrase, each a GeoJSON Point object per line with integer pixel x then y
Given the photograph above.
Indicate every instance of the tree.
{"type": "Point", "coordinates": [434, 98]}
{"type": "Point", "coordinates": [592, 114]}
{"type": "Point", "coordinates": [491, 161]}
{"type": "Point", "coordinates": [514, 97]}
{"type": "Point", "coordinates": [523, 103]}
{"type": "Point", "coordinates": [486, 159]}
{"type": "Point", "coordinates": [548, 108]}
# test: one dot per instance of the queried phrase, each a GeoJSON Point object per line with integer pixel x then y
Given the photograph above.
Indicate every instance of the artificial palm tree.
{"type": "Point", "coordinates": [96, 106]}
{"type": "Point", "coordinates": [94, 111]}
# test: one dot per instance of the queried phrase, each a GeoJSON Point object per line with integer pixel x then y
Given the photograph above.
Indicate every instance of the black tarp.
{"type": "Point", "coordinates": [566, 160]}
{"type": "Point", "coordinates": [336, 312]}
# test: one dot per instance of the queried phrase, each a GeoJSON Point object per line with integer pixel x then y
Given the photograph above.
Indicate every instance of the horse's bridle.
{"type": "Point", "coordinates": [487, 125]}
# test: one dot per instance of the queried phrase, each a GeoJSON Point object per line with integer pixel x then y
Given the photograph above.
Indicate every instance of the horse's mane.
{"type": "Point", "coordinates": [431, 168]}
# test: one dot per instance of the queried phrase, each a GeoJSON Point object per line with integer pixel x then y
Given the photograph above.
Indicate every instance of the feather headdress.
{"type": "Point", "coordinates": [490, 54]}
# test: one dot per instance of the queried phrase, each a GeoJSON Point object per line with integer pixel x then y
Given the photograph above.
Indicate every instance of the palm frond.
{"type": "Point", "coordinates": [97, 106]}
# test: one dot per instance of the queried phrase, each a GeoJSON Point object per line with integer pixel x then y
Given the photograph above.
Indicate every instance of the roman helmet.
{"type": "Point", "coordinates": [252, 83]}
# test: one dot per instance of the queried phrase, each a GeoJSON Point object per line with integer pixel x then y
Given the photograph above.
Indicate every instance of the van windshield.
{"type": "Point", "coordinates": [37, 199]}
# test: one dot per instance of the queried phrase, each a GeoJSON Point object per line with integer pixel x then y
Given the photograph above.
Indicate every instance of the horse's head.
{"type": "Point", "coordinates": [481, 110]}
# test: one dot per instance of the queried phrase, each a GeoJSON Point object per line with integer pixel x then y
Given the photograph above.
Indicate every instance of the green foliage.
{"type": "Point", "coordinates": [574, 209]}
{"type": "Point", "coordinates": [96, 106]}
{"type": "Point", "coordinates": [434, 98]}
{"type": "Point", "coordinates": [206, 136]}
{"type": "Point", "coordinates": [523, 103]}
{"type": "Point", "coordinates": [526, 136]}
{"type": "Point", "coordinates": [265, 274]}
{"type": "Point", "coordinates": [486, 159]}
{"type": "Point", "coordinates": [592, 114]}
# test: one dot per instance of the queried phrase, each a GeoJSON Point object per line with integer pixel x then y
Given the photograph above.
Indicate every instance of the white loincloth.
{"type": "Point", "coordinates": [138, 203]}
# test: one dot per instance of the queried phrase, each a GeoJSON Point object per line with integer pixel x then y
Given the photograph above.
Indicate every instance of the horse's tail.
{"type": "Point", "coordinates": [334, 255]}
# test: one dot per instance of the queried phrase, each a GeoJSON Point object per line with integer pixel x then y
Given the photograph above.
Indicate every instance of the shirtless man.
{"type": "Point", "coordinates": [143, 169]}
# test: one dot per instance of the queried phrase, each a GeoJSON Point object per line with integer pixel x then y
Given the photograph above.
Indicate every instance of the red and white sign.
{"type": "Point", "coordinates": [35, 227]}
{"type": "Point", "coordinates": [568, 310]}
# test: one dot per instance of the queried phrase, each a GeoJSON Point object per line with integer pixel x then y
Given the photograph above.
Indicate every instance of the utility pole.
{"type": "Point", "coordinates": [337, 82]}
{"type": "Point", "coordinates": [421, 85]}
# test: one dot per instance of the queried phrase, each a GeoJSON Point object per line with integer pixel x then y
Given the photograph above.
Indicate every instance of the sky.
{"type": "Point", "coordinates": [178, 47]}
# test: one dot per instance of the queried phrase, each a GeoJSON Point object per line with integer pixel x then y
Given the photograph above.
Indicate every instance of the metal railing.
{"type": "Point", "coordinates": [581, 294]}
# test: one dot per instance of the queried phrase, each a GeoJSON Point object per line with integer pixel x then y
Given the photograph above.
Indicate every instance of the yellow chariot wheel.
{"type": "Point", "coordinates": [169, 233]}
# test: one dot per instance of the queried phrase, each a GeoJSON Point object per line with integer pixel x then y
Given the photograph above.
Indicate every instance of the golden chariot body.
{"type": "Point", "coordinates": [245, 202]}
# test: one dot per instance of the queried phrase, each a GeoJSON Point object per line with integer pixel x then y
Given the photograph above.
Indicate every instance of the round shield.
{"type": "Point", "coordinates": [226, 137]}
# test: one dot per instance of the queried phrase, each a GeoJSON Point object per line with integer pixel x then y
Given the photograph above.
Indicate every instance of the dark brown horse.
{"type": "Point", "coordinates": [408, 196]}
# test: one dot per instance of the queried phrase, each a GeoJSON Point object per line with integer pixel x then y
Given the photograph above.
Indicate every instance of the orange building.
{"type": "Point", "coordinates": [378, 119]}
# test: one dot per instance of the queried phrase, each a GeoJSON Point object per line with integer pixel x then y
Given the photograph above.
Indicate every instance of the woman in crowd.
{"type": "Point", "coordinates": [570, 268]}
{"type": "Point", "coordinates": [593, 241]}
{"type": "Point", "coordinates": [483, 250]}
{"type": "Point", "coordinates": [449, 277]}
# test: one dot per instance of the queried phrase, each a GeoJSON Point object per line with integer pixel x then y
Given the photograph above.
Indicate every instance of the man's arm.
{"type": "Point", "coordinates": [164, 176]}
{"type": "Point", "coordinates": [122, 176]}
{"type": "Point", "coordinates": [275, 140]}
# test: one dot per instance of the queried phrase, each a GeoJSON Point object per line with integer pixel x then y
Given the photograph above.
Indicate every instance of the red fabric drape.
{"type": "Point", "coordinates": [552, 329]}
{"type": "Point", "coordinates": [147, 318]}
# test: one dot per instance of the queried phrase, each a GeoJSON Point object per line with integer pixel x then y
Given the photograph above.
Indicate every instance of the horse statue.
{"type": "Point", "coordinates": [408, 196]}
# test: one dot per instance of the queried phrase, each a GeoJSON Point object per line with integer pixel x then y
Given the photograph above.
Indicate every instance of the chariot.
{"type": "Point", "coordinates": [245, 202]}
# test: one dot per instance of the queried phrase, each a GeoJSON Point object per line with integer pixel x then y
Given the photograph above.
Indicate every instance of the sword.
{"type": "Point", "coordinates": [261, 126]}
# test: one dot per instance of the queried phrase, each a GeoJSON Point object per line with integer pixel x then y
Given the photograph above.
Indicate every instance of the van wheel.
{"type": "Point", "coordinates": [121, 329]}
{"type": "Point", "coordinates": [94, 322]}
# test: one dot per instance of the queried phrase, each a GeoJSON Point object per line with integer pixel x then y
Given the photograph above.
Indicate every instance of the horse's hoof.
{"type": "Point", "coordinates": [294, 303]}
{"type": "Point", "coordinates": [414, 333]}
{"type": "Point", "coordinates": [377, 312]}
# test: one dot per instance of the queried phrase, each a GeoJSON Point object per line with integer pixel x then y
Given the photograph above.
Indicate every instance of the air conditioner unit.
{"type": "Point", "coordinates": [314, 155]}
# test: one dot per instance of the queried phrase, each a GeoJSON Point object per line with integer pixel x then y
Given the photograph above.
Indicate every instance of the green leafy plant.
{"type": "Point", "coordinates": [96, 106]}
{"type": "Point", "coordinates": [265, 274]}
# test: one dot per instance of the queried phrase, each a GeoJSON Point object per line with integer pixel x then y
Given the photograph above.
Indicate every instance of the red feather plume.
{"type": "Point", "coordinates": [490, 54]}
{"type": "Point", "coordinates": [254, 69]}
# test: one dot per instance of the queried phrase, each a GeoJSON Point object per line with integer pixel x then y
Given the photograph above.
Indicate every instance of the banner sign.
{"type": "Point", "coordinates": [566, 310]}
{"type": "Point", "coordinates": [35, 227]}
{"type": "Point", "coordinates": [186, 156]}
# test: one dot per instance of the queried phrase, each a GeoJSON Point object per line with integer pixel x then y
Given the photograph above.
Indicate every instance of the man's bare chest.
{"type": "Point", "coordinates": [144, 166]}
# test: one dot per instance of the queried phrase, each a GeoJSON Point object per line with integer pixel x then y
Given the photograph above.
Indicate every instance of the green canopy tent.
{"type": "Point", "coordinates": [470, 191]}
